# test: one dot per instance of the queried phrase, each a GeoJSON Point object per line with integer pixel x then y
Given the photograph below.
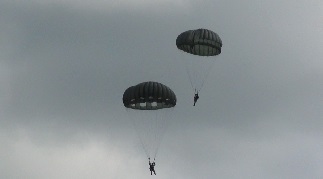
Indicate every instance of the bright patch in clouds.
{"type": "Point", "coordinates": [88, 160]}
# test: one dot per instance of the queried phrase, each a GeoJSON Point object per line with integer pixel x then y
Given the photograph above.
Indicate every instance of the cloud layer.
{"type": "Point", "coordinates": [65, 65]}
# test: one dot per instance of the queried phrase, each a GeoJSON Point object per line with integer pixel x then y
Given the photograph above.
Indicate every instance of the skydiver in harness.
{"type": "Point", "coordinates": [152, 167]}
{"type": "Point", "coordinates": [196, 97]}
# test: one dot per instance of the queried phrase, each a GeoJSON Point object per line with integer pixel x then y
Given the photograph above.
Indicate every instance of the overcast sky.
{"type": "Point", "coordinates": [64, 65]}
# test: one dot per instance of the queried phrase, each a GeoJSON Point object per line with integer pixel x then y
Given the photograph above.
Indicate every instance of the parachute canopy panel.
{"type": "Point", "coordinates": [149, 96]}
{"type": "Point", "coordinates": [200, 42]}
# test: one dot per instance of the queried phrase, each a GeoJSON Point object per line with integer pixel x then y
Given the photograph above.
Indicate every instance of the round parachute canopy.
{"type": "Point", "coordinates": [200, 42]}
{"type": "Point", "coordinates": [149, 96]}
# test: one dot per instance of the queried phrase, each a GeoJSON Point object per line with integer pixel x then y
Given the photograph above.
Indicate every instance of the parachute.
{"type": "Point", "coordinates": [202, 43]}
{"type": "Point", "coordinates": [150, 105]}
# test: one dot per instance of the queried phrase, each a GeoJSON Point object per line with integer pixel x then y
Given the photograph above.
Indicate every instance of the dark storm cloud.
{"type": "Point", "coordinates": [68, 62]}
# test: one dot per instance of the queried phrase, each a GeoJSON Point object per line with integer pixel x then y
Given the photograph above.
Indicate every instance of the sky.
{"type": "Point", "coordinates": [64, 66]}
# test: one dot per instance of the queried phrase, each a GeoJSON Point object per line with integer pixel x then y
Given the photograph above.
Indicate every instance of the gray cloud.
{"type": "Point", "coordinates": [65, 66]}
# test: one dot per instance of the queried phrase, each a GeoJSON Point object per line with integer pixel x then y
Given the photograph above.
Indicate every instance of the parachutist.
{"type": "Point", "coordinates": [196, 97]}
{"type": "Point", "coordinates": [152, 167]}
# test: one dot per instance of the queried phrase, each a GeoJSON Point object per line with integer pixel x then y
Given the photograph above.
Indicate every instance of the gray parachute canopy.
{"type": "Point", "coordinates": [200, 42]}
{"type": "Point", "coordinates": [149, 96]}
